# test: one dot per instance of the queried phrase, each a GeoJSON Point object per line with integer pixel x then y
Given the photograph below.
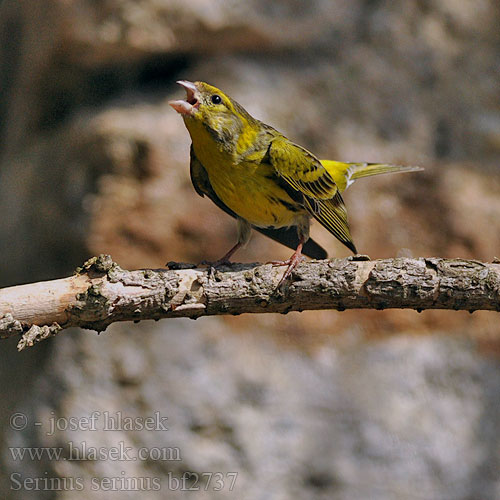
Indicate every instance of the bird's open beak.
{"type": "Point", "coordinates": [191, 103]}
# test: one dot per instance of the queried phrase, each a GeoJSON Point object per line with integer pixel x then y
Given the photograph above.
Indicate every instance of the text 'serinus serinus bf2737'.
{"type": "Point", "coordinates": [262, 179]}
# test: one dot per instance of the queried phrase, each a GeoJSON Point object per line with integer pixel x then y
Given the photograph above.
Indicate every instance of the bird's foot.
{"type": "Point", "coordinates": [358, 257]}
{"type": "Point", "coordinates": [179, 265]}
{"type": "Point", "coordinates": [216, 263]}
{"type": "Point", "coordinates": [223, 261]}
{"type": "Point", "coordinates": [292, 263]}
{"type": "Point", "coordinates": [212, 266]}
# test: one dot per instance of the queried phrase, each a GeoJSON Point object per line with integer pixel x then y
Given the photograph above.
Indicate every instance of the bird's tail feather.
{"type": "Point", "coordinates": [366, 169]}
{"type": "Point", "coordinates": [288, 236]}
{"type": "Point", "coordinates": [344, 174]}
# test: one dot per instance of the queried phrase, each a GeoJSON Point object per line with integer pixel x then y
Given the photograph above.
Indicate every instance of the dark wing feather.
{"type": "Point", "coordinates": [286, 236]}
{"type": "Point", "coordinates": [301, 169]}
{"type": "Point", "coordinates": [332, 215]}
{"type": "Point", "coordinates": [304, 174]}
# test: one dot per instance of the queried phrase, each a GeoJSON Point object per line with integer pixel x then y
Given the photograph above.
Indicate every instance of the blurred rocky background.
{"type": "Point", "coordinates": [351, 405]}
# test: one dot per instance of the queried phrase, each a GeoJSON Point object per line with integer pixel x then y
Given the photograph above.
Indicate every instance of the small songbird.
{"type": "Point", "coordinates": [262, 179]}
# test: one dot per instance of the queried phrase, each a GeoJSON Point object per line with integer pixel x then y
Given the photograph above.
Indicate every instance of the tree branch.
{"type": "Point", "coordinates": [101, 293]}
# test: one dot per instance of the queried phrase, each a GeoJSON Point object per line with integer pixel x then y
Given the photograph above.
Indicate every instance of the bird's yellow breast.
{"type": "Point", "coordinates": [248, 188]}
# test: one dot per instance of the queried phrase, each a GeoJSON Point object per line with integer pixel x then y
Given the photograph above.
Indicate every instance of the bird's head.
{"type": "Point", "coordinates": [224, 118]}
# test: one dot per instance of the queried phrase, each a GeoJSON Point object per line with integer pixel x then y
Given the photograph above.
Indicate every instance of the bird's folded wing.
{"type": "Point", "coordinates": [301, 169]}
{"type": "Point", "coordinates": [333, 216]}
{"type": "Point", "coordinates": [305, 174]}
{"type": "Point", "coordinates": [286, 235]}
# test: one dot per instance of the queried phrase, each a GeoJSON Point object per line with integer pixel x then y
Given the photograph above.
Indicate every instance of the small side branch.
{"type": "Point", "coordinates": [101, 293]}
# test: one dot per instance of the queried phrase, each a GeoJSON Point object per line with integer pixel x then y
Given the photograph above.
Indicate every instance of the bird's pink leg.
{"type": "Point", "coordinates": [225, 259]}
{"type": "Point", "coordinates": [244, 232]}
{"type": "Point", "coordinates": [292, 262]}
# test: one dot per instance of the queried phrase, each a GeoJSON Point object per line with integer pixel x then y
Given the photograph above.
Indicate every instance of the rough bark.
{"type": "Point", "coordinates": [101, 293]}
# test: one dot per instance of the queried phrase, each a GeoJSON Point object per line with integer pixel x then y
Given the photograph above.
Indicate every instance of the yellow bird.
{"type": "Point", "coordinates": [264, 180]}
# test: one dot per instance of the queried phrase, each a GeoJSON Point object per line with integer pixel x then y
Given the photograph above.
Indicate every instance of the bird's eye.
{"type": "Point", "coordinates": [216, 99]}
